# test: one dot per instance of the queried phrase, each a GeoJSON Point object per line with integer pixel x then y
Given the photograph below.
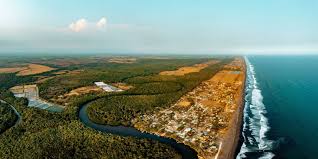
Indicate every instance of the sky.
{"type": "Point", "coordinates": [159, 26]}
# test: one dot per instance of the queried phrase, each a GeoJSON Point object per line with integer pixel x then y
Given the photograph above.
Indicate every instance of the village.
{"type": "Point", "coordinates": [200, 118]}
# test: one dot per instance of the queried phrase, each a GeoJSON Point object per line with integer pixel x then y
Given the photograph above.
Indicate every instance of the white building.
{"type": "Point", "coordinates": [106, 87]}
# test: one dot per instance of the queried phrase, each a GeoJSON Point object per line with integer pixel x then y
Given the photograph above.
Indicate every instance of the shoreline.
{"type": "Point", "coordinates": [231, 140]}
{"type": "Point", "coordinates": [222, 143]}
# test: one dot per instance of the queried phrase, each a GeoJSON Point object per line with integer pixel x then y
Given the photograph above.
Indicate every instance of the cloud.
{"type": "Point", "coordinates": [83, 24]}
{"type": "Point", "coordinates": [101, 23]}
{"type": "Point", "coordinates": [79, 25]}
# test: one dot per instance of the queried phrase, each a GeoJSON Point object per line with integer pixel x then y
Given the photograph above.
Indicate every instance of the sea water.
{"type": "Point", "coordinates": [281, 108]}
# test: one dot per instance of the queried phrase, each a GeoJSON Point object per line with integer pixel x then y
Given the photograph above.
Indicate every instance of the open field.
{"type": "Point", "coordinates": [84, 90]}
{"type": "Point", "coordinates": [65, 99]}
{"type": "Point", "coordinates": [122, 60]}
{"type": "Point", "coordinates": [73, 72]}
{"type": "Point", "coordinates": [24, 89]}
{"type": "Point", "coordinates": [42, 79]}
{"type": "Point", "coordinates": [33, 69]}
{"type": "Point", "coordinates": [68, 61]}
{"type": "Point", "coordinates": [123, 86]}
{"type": "Point", "coordinates": [12, 70]}
{"type": "Point", "coordinates": [189, 69]}
{"type": "Point", "coordinates": [30, 69]}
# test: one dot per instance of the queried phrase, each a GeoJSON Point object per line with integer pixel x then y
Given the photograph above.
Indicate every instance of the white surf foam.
{"type": "Point", "coordinates": [254, 119]}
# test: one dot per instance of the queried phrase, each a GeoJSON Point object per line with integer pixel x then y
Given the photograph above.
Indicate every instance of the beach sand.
{"type": "Point", "coordinates": [232, 137]}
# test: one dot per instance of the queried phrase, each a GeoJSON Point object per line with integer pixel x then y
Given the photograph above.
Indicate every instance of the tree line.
{"type": "Point", "coordinates": [7, 117]}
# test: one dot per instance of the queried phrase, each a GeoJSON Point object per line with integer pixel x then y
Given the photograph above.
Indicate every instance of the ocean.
{"type": "Point", "coordinates": [281, 108]}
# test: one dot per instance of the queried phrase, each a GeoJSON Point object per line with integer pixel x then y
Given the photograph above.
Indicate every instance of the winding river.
{"type": "Point", "coordinates": [15, 111]}
{"type": "Point", "coordinates": [184, 150]}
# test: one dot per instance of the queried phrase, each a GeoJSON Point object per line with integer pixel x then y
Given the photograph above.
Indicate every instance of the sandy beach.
{"type": "Point", "coordinates": [231, 140]}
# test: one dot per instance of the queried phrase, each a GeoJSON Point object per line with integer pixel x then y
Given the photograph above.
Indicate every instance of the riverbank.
{"type": "Point", "coordinates": [185, 151]}
{"type": "Point", "coordinates": [18, 116]}
{"type": "Point", "coordinates": [231, 142]}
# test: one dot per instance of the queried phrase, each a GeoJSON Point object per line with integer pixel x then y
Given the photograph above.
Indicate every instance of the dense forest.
{"type": "Point", "coordinates": [9, 80]}
{"type": "Point", "coordinates": [7, 117]}
{"type": "Point", "coordinates": [43, 134]}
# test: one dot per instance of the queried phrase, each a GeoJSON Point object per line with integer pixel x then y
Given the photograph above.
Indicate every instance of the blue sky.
{"type": "Point", "coordinates": [159, 26]}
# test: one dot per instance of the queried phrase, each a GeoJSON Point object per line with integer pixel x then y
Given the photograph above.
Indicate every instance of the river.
{"type": "Point", "coordinates": [184, 150]}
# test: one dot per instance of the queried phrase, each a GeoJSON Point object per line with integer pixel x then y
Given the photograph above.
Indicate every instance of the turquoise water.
{"type": "Point", "coordinates": [281, 110]}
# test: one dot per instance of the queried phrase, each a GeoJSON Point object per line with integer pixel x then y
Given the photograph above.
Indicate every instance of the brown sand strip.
{"type": "Point", "coordinates": [231, 140]}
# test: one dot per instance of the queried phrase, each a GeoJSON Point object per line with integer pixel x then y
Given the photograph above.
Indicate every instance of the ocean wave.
{"type": "Point", "coordinates": [255, 126]}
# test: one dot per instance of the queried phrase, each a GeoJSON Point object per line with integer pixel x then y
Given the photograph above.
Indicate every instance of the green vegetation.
{"type": "Point", "coordinates": [149, 93]}
{"type": "Point", "coordinates": [108, 73]}
{"type": "Point", "coordinates": [43, 134]}
{"type": "Point", "coordinates": [155, 88]}
{"type": "Point", "coordinates": [7, 118]}
{"type": "Point", "coordinates": [9, 80]}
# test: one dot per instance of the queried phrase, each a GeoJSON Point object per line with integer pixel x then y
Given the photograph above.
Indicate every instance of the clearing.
{"type": "Point", "coordinates": [30, 69]}
{"type": "Point", "coordinates": [122, 86]}
{"type": "Point", "coordinates": [84, 90]}
{"type": "Point", "coordinates": [42, 79]}
{"type": "Point", "coordinates": [32, 93]}
{"type": "Point", "coordinates": [122, 60]}
{"type": "Point", "coordinates": [33, 69]}
{"type": "Point", "coordinates": [189, 69]}
{"type": "Point", "coordinates": [11, 70]}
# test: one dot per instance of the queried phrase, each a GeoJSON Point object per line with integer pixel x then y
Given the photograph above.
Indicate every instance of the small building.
{"type": "Point", "coordinates": [106, 87]}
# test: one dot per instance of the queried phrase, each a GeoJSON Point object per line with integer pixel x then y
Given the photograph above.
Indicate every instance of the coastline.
{"type": "Point", "coordinates": [231, 140]}
{"type": "Point", "coordinates": [222, 142]}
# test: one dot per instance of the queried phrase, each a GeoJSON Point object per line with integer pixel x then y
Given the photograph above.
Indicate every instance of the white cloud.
{"type": "Point", "coordinates": [101, 23]}
{"type": "Point", "coordinates": [79, 25]}
{"type": "Point", "coordinates": [83, 24]}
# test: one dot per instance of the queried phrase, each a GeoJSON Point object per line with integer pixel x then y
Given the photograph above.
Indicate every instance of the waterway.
{"type": "Point", "coordinates": [184, 150]}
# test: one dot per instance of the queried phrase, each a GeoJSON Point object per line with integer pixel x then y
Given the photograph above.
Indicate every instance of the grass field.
{"type": "Point", "coordinates": [30, 69]}
{"type": "Point", "coordinates": [189, 69]}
